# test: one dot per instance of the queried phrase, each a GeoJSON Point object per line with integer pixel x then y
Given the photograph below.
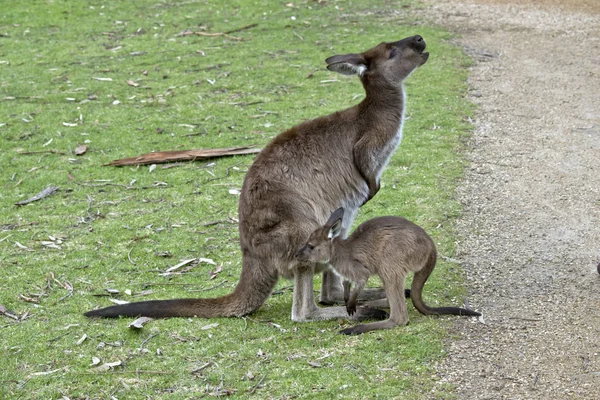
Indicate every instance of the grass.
{"type": "Point", "coordinates": [110, 228]}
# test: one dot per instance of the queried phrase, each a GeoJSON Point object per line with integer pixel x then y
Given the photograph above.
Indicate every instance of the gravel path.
{"type": "Point", "coordinates": [531, 228]}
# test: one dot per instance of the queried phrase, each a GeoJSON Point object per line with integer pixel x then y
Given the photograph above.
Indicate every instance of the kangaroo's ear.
{"type": "Point", "coordinates": [347, 64]}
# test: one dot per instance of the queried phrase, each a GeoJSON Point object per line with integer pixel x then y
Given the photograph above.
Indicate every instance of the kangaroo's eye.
{"type": "Point", "coordinates": [310, 246]}
{"type": "Point", "coordinates": [393, 52]}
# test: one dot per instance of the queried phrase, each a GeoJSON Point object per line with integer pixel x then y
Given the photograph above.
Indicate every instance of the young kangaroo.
{"type": "Point", "coordinates": [390, 247]}
{"type": "Point", "coordinates": [295, 182]}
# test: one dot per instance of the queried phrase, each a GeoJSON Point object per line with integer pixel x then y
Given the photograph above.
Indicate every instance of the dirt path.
{"type": "Point", "coordinates": [531, 228]}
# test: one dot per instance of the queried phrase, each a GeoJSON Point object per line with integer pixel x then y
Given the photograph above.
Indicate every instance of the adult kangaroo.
{"type": "Point", "coordinates": [390, 247]}
{"type": "Point", "coordinates": [295, 183]}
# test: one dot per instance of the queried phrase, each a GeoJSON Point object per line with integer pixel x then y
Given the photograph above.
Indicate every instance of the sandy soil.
{"type": "Point", "coordinates": [531, 228]}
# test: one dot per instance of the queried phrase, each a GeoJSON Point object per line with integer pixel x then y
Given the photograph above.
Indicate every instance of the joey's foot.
{"type": "Point", "coordinates": [350, 331]}
{"type": "Point", "coordinates": [366, 313]}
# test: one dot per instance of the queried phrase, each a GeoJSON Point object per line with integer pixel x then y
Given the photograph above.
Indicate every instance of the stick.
{"type": "Point", "coordinates": [44, 193]}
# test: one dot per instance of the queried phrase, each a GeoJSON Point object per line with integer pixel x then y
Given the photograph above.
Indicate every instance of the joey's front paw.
{"type": "Point", "coordinates": [351, 308]}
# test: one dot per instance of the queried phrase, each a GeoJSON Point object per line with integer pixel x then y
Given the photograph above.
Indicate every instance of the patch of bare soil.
{"type": "Point", "coordinates": [531, 228]}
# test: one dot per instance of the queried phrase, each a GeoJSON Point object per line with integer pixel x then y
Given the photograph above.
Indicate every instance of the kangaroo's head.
{"type": "Point", "coordinates": [319, 246]}
{"type": "Point", "coordinates": [387, 63]}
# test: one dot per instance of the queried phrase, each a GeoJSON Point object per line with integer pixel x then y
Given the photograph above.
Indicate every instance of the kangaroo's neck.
{"type": "Point", "coordinates": [384, 103]}
{"type": "Point", "coordinates": [341, 259]}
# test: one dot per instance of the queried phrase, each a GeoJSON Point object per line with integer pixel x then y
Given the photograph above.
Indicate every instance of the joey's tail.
{"type": "Point", "coordinates": [255, 285]}
{"type": "Point", "coordinates": [417, 289]}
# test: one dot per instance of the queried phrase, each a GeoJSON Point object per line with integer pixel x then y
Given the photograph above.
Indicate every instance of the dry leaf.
{"type": "Point", "coordinates": [207, 261]}
{"type": "Point", "coordinates": [177, 266]}
{"type": "Point", "coordinates": [68, 124]}
{"type": "Point", "coordinates": [106, 366]}
{"type": "Point", "coordinates": [95, 361]}
{"type": "Point", "coordinates": [81, 339]}
{"type": "Point", "coordinates": [152, 168]}
{"type": "Point", "coordinates": [119, 302]}
{"type": "Point", "coordinates": [103, 79]}
{"type": "Point", "coordinates": [80, 149]}
{"type": "Point", "coordinates": [113, 291]}
{"type": "Point", "coordinates": [132, 83]}
{"type": "Point", "coordinates": [214, 274]}
{"type": "Point", "coordinates": [139, 323]}
{"type": "Point", "coordinates": [210, 326]}
{"type": "Point", "coordinates": [234, 192]}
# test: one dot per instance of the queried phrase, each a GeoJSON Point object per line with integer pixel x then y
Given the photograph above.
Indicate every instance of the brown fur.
{"type": "Point", "coordinates": [295, 183]}
{"type": "Point", "coordinates": [390, 247]}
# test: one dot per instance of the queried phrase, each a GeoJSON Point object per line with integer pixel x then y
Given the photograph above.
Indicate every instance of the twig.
{"type": "Point", "coordinates": [44, 193]}
{"type": "Point", "coordinates": [200, 368]}
{"type": "Point", "coordinates": [183, 155]}
{"type": "Point", "coordinates": [137, 371]}
{"type": "Point", "coordinates": [258, 383]}
{"type": "Point", "coordinates": [147, 340]}
{"type": "Point", "coordinates": [241, 29]}
{"type": "Point", "coordinates": [41, 152]}
{"type": "Point", "coordinates": [298, 36]}
{"type": "Point", "coordinates": [129, 256]}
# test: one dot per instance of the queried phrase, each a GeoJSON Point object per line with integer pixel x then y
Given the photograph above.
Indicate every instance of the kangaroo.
{"type": "Point", "coordinates": [294, 183]}
{"type": "Point", "coordinates": [390, 247]}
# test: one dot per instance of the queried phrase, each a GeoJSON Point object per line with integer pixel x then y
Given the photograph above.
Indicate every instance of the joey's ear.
{"type": "Point", "coordinates": [335, 229]}
{"type": "Point", "coordinates": [334, 223]}
{"type": "Point", "coordinates": [347, 64]}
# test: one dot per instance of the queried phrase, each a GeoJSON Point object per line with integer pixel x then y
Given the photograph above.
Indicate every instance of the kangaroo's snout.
{"type": "Point", "coordinates": [419, 43]}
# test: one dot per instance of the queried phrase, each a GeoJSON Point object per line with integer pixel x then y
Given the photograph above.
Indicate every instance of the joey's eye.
{"type": "Point", "coordinates": [393, 52]}
{"type": "Point", "coordinates": [310, 246]}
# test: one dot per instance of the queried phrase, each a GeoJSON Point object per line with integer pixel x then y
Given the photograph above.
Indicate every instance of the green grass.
{"type": "Point", "coordinates": [111, 224]}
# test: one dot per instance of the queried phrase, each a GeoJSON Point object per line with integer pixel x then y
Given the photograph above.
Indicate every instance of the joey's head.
{"type": "Point", "coordinates": [319, 246]}
{"type": "Point", "coordinates": [387, 63]}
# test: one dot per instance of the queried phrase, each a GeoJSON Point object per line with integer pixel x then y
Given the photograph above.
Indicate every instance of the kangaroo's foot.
{"type": "Point", "coordinates": [329, 313]}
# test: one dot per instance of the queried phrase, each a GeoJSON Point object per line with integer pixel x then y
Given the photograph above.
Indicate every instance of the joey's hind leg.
{"type": "Point", "coordinates": [398, 312]}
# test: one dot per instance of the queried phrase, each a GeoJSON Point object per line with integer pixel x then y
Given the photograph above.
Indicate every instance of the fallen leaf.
{"type": "Point", "coordinates": [177, 266]}
{"type": "Point", "coordinates": [103, 79]}
{"type": "Point", "coordinates": [234, 192]}
{"type": "Point", "coordinates": [106, 366]}
{"type": "Point", "coordinates": [214, 274]}
{"type": "Point", "coordinates": [207, 261]}
{"type": "Point", "coordinates": [68, 124]}
{"type": "Point", "coordinates": [210, 326]}
{"type": "Point", "coordinates": [113, 291]}
{"type": "Point", "coordinates": [81, 339]}
{"type": "Point", "coordinates": [314, 364]}
{"type": "Point", "coordinates": [95, 361]}
{"type": "Point", "coordinates": [120, 302]}
{"type": "Point", "coordinates": [132, 83]}
{"type": "Point", "coordinates": [80, 149]}
{"type": "Point", "coordinates": [139, 323]}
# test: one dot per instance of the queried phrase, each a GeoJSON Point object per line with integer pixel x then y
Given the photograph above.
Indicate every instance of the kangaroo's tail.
{"type": "Point", "coordinates": [255, 285]}
{"type": "Point", "coordinates": [417, 289]}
